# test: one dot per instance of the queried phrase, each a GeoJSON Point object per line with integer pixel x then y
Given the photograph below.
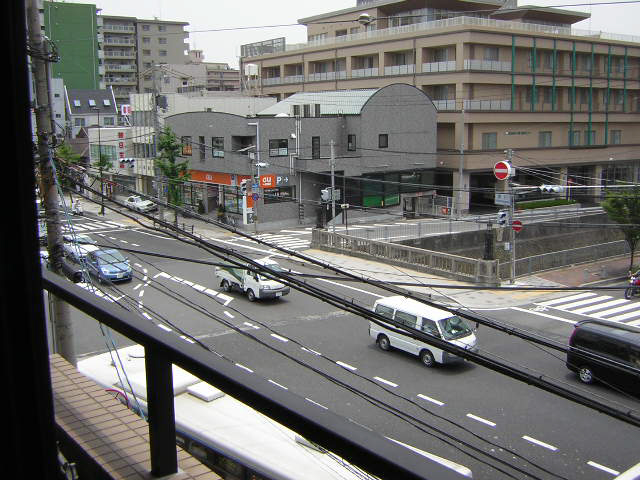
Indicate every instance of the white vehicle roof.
{"type": "Point", "coordinates": [231, 427]}
{"type": "Point", "coordinates": [414, 307]}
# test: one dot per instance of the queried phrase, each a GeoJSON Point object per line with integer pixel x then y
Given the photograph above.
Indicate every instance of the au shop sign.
{"type": "Point", "coordinates": [271, 180]}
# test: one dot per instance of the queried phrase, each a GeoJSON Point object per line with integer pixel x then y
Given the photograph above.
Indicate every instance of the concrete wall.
{"type": "Point", "coordinates": [533, 239]}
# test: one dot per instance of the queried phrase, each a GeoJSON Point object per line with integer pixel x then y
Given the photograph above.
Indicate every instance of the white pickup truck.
{"type": "Point", "coordinates": [139, 204]}
{"type": "Point", "coordinates": [254, 285]}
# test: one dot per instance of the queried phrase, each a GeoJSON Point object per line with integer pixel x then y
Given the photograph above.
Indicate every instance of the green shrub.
{"type": "Point", "coordinates": [552, 202]}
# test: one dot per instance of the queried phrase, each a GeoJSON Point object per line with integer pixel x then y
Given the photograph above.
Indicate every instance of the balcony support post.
{"type": "Point", "coordinates": [162, 428]}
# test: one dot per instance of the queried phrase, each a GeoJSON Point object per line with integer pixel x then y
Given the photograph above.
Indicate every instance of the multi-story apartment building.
{"type": "Point", "coordinates": [115, 51]}
{"type": "Point", "coordinates": [133, 47]}
{"type": "Point", "coordinates": [502, 77]}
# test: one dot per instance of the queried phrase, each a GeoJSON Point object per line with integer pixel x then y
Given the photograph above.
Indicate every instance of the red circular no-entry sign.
{"type": "Point", "coordinates": [516, 225]}
{"type": "Point", "coordinates": [502, 170]}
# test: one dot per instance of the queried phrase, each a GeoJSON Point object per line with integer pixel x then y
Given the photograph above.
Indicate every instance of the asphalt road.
{"type": "Point", "coordinates": [498, 427]}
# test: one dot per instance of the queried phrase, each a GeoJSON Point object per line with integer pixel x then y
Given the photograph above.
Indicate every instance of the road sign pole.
{"type": "Point", "coordinates": [512, 208]}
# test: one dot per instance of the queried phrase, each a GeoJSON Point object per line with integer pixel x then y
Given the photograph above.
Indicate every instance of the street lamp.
{"type": "Point", "coordinates": [97, 110]}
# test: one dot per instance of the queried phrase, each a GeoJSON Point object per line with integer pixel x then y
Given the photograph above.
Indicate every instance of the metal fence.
{"type": "Point", "coordinates": [561, 258]}
{"type": "Point", "coordinates": [407, 231]}
{"type": "Point", "coordinates": [443, 264]}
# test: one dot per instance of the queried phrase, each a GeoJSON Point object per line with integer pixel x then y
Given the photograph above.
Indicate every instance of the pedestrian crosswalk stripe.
{"type": "Point", "coordinates": [567, 299]}
{"type": "Point", "coordinates": [613, 311]}
{"type": "Point", "coordinates": [601, 306]}
{"type": "Point", "coordinates": [587, 301]}
{"type": "Point", "coordinates": [624, 316]}
{"type": "Point", "coordinates": [635, 323]}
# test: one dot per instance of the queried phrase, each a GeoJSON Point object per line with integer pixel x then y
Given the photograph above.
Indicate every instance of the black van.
{"type": "Point", "coordinates": [610, 341]}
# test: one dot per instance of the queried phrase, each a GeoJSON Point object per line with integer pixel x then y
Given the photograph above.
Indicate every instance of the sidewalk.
{"type": "Point", "coordinates": [573, 276]}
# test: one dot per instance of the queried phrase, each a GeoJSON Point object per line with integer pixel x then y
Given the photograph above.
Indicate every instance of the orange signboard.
{"type": "Point", "coordinates": [267, 181]}
{"type": "Point", "coordinates": [211, 177]}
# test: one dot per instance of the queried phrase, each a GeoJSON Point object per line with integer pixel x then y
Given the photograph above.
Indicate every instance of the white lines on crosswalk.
{"type": "Point", "coordinates": [592, 305]}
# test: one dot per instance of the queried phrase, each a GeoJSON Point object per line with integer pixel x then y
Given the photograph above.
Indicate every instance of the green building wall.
{"type": "Point", "coordinates": [73, 29]}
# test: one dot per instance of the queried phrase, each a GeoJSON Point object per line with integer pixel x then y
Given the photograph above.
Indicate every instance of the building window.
{"type": "Point", "coordinates": [491, 53]}
{"type": "Point", "coordinates": [201, 147]}
{"type": "Point", "coordinates": [146, 27]}
{"type": "Point", "coordinates": [109, 121]}
{"type": "Point", "coordinates": [544, 139]}
{"type": "Point", "coordinates": [616, 137]}
{"type": "Point", "coordinates": [217, 146]}
{"type": "Point", "coordinates": [383, 140]}
{"type": "Point", "coordinates": [162, 40]}
{"type": "Point", "coordinates": [574, 138]}
{"type": "Point", "coordinates": [279, 147]}
{"type": "Point", "coordinates": [186, 146]}
{"type": "Point", "coordinates": [162, 28]}
{"type": "Point", "coordinates": [315, 147]}
{"type": "Point", "coordinates": [162, 53]}
{"type": "Point", "coordinates": [146, 40]}
{"type": "Point", "coordinates": [341, 33]}
{"type": "Point", "coordinates": [146, 53]}
{"type": "Point", "coordinates": [79, 122]}
{"type": "Point", "coordinates": [589, 137]}
{"type": "Point", "coordinates": [354, 30]}
{"type": "Point", "coordinates": [489, 141]}
{"type": "Point", "coordinates": [351, 143]}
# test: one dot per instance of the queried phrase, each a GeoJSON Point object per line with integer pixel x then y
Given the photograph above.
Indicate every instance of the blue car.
{"type": "Point", "coordinates": [109, 265]}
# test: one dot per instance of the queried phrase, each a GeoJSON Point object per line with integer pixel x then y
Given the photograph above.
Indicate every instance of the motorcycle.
{"type": "Point", "coordinates": [634, 287]}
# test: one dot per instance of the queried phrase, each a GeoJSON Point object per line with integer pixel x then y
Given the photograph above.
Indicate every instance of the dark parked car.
{"type": "Point", "coordinates": [613, 343]}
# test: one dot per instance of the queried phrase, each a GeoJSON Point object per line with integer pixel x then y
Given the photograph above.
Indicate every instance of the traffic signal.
{"type": "Point", "coordinates": [551, 188]}
{"type": "Point", "coordinates": [502, 217]}
{"type": "Point", "coordinates": [243, 187]}
{"type": "Point", "coordinates": [325, 194]}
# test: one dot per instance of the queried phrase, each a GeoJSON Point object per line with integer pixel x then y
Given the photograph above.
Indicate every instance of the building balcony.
{"type": "Point", "coordinates": [495, 105]}
{"type": "Point", "coordinates": [271, 81]}
{"type": "Point", "coordinates": [119, 41]}
{"type": "Point", "coordinates": [111, 67]}
{"type": "Point", "coordinates": [487, 65]}
{"type": "Point", "coordinates": [121, 81]}
{"type": "Point", "coordinates": [364, 72]}
{"type": "Point", "coordinates": [324, 76]}
{"type": "Point", "coordinates": [119, 54]}
{"type": "Point", "coordinates": [119, 28]}
{"type": "Point", "coordinates": [430, 67]}
{"type": "Point", "coordinates": [293, 79]}
{"type": "Point", "coordinates": [444, 104]}
{"type": "Point", "coordinates": [400, 69]}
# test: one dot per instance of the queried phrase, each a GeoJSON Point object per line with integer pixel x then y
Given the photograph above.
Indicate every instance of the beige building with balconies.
{"type": "Point", "coordinates": [565, 100]}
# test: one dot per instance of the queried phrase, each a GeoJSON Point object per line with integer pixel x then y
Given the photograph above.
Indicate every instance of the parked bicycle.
{"type": "Point", "coordinates": [634, 286]}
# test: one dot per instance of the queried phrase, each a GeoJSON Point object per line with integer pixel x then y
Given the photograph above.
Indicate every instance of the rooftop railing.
{"type": "Point", "coordinates": [463, 22]}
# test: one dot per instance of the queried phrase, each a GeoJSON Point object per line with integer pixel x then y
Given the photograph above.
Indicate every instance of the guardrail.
{"type": "Point", "coordinates": [450, 266]}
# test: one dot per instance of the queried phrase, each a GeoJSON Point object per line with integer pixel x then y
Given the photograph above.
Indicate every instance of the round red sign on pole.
{"type": "Point", "coordinates": [516, 225]}
{"type": "Point", "coordinates": [502, 170]}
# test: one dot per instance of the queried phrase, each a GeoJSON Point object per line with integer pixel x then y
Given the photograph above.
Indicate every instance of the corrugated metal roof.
{"type": "Point", "coordinates": [339, 102]}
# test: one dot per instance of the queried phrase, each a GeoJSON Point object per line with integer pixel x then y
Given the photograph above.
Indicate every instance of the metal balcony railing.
{"type": "Point", "coordinates": [361, 446]}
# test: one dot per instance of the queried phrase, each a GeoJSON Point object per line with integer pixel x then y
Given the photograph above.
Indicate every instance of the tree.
{"type": "Point", "coordinates": [176, 173]}
{"type": "Point", "coordinates": [623, 208]}
{"type": "Point", "coordinates": [65, 160]}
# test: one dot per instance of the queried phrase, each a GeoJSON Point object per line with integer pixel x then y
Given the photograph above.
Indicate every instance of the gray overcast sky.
{"type": "Point", "coordinates": [225, 46]}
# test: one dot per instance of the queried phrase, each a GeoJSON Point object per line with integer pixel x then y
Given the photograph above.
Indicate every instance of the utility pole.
{"type": "Point", "coordinates": [333, 186]}
{"type": "Point", "coordinates": [156, 132]}
{"type": "Point", "coordinates": [59, 311]}
{"type": "Point", "coordinates": [460, 167]}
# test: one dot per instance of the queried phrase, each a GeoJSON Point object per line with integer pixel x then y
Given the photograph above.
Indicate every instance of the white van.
{"type": "Point", "coordinates": [434, 321]}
